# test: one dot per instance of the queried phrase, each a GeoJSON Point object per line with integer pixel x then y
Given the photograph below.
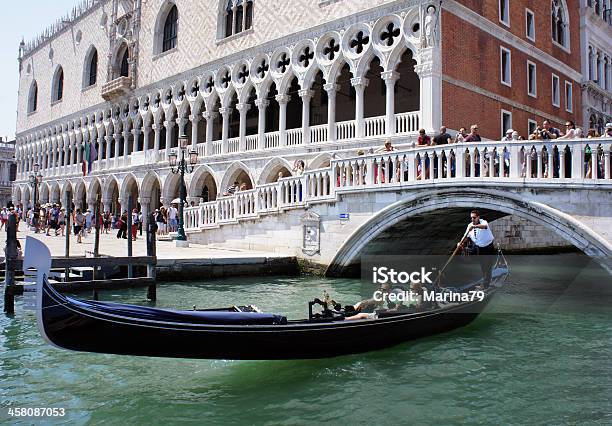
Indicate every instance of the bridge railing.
{"type": "Point", "coordinates": [577, 161]}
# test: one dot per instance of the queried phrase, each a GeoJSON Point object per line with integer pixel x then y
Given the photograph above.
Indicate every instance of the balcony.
{"type": "Point", "coordinates": [116, 88]}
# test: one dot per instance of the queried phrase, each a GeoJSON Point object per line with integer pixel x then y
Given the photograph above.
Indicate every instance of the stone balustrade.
{"type": "Point", "coordinates": [549, 163]}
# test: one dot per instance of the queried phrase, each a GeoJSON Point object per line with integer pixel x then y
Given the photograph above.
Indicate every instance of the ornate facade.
{"type": "Point", "coordinates": [256, 86]}
{"type": "Point", "coordinates": [596, 30]}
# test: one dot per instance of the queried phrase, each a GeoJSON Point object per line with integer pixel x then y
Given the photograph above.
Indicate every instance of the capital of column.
{"type": "Point", "coordinates": [108, 138]}
{"type": "Point", "coordinates": [169, 124]}
{"type": "Point", "coordinates": [283, 99]}
{"type": "Point", "coordinates": [262, 103]}
{"type": "Point", "coordinates": [360, 82]}
{"type": "Point", "coordinates": [194, 118]}
{"type": "Point", "coordinates": [209, 115]}
{"type": "Point", "coordinates": [331, 87]}
{"type": "Point", "coordinates": [243, 107]}
{"type": "Point", "coordinates": [156, 126]}
{"type": "Point", "coordinates": [390, 76]}
{"type": "Point", "coordinates": [225, 111]}
{"type": "Point", "coordinates": [306, 93]}
{"type": "Point", "coordinates": [181, 121]}
{"type": "Point", "coordinates": [117, 136]}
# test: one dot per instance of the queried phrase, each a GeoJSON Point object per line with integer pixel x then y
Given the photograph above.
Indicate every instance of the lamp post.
{"type": "Point", "coordinates": [182, 166]}
{"type": "Point", "coordinates": [35, 179]}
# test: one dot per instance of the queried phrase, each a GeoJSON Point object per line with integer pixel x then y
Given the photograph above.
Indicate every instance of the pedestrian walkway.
{"type": "Point", "coordinates": [113, 246]}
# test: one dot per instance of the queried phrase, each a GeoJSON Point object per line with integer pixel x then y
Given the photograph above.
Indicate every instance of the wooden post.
{"type": "Point", "coordinates": [96, 252]}
{"type": "Point", "coordinates": [130, 203]}
{"type": "Point", "coordinates": [68, 229]}
{"type": "Point", "coordinates": [11, 255]}
{"type": "Point", "coordinates": [151, 251]}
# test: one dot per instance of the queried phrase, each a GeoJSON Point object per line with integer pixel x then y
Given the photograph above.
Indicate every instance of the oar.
{"type": "Point", "coordinates": [451, 258]}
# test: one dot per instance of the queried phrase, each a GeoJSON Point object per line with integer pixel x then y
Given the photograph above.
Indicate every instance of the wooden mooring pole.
{"type": "Point", "coordinates": [96, 251]}
{"type": "Point", "coordinates": [151, 251]}
{"type": "Point", "coordinates": [130, 203]}
{"type": "Point", "coordinates": [11, 255]}
{"type": "Point", "coordinates": [68, 230]}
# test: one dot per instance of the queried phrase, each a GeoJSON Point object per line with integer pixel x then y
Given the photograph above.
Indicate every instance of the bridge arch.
{"type": "Point", "coordinates": [495, 202]}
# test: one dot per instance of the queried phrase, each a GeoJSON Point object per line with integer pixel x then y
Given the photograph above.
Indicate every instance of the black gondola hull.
{"type": "Point", "coordinates": [70, 326]}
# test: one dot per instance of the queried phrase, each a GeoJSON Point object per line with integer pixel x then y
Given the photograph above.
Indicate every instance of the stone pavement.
{"type": "Point", "coordinates": [111, 245]}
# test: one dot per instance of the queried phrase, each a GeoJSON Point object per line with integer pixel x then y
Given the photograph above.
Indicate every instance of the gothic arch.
{"type": "Point", "coordinates": [270, 171]}
{"type": "Point", "coordinates": [167, 7]}
{"type": "Point", "coordinates": [203, 176]}
{"type": "Point", "coordinates": [57, 84]}
{"type": "Point", "coordinates": [90, 67]}
{"type": "Point", "coordinates": [233, 172]}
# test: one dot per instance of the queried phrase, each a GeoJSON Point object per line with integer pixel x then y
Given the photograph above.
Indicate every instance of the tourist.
{"type": "Point", "coordinates": [549, 132]}
{"type": "Point", "coordinates": [481, 237]}
{"type": "Point", "coordinates": [473, 136]}
{"type": "Point", "coordinates": [88, 221]}
{"type": "Point", "coordinates": [298, 167]}
{"type": "Point", "coordinates": [461, 135]}
{"type": "Point", "coordinates": [243, 186]}
{"type": "Point", "coordinates": [172, 218]}
{"type": "Point", "coordinates": [232, 189]}
{"type": "Point", "coordinates": [608, 131]}
{"type": "Point", "coordinates": [79, 224]}
{"type": "Point", "coordinates": [140, 222]}
{"type": "Point", "coordinates": [3, 218]}
{"type": "Point", "coordinates": [592, 134]}
{"type": "Point", "coordinates": [442, 138]}
{"type": "Point", "coordinates": [423, 140]}
{"type": "Point", "coordinates": [106, 221]}
{"type": "Point", "coordinates": [570, 131]}
{"type": "Point", "coordinates": [122, 225]}
{"type": "Point", "coordinates": [508, 137]}
{"type": "Point", "coordinates": [135, 223]}
{"type": "Point", "coordinates": [159, 220]}
{"type": "Point", "coordinates": [61, 221]}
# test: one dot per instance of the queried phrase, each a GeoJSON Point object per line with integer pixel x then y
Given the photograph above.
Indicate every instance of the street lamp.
{"type": "Point", "coordinates": [182, 166]}
{"type": "Point", "coordinates": [35, 179]}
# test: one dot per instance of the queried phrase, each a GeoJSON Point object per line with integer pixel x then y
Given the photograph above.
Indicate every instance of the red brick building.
{"type": "Point", "coordinates": [505, 64]}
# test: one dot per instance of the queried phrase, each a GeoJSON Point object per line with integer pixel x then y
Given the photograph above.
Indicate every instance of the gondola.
{"type": "Point", "coordinates": [240, 333]}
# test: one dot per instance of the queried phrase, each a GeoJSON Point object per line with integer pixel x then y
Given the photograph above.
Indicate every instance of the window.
{"type": "Point", "coordinates": [556, 96]}
{"type": "Point", "coordinates": [532, 125]}
{"type": "Point", "coordinates": [238, 17]}
{"type": "Point", "coordinates": [504, 12]}
{"type": "Point", "coordinates": [559, 23]}
{"type": "Point", "coordinates": [58, 85]}
{"type": "Point", "coordinates": [125, 65]}
{"type": "Point", "coordinates": [529, 25]}
{"type": "Point", "coordinates": [506, 66]}
{"type": "Point", "coordinates": [90, 74]}
{"type": "Point", "coordinates": [569, 96]}
{"type": "Point", "coordinates": [532, 79]}
{"type": "Point", "coordinates": [33, 97]}
{"type": "Point", "coordinates": [506, 122]}
{"type": "Point", "coordinates": [170, 30]}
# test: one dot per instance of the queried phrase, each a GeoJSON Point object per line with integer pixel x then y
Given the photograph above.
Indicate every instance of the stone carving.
{"type": "Point", "coordinates": [430, 36]}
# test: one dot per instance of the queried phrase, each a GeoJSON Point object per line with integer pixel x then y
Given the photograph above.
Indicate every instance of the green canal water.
{"type": "Point", "coordinates": [542, 354]}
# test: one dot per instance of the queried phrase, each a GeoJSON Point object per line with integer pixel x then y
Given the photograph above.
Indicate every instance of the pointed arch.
{"type": "Point", "coordinates": [204, 184]}
{"type": "Point", "coordinates": [166, 27]}
{"type": "Point", "coordinates": [271, 170]}
{"type": "Point", "coordinates": [57, 85]}
{"type": "Point", "coordinates": [33, 97]}
{"type": "Point", "coordinates": [236, 172]}
{"type": "Point", "coordinates": [90, 67]}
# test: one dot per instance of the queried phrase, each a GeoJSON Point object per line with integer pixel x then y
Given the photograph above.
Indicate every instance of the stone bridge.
{"type": "Point", "coordinates": [417, 200]}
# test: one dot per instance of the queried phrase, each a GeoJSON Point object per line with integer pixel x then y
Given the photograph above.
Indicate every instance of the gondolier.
{"type": "Point", "coordinates": [479, 233]}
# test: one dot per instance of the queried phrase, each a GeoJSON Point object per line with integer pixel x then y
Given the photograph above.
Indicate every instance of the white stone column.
{"type": "Point", "coordinates": [117, 142]}
{"type": "Point", "coordinates": [262, 104]}
{"type": "Point", "coordinates": [126, 139]}
{"type": "Point", "coordinates": [136, 132]}
{"type": "Point", "coordinates": [146, 128]}
{"type": "Point", "coordinates": [360, 84]}
{"type": "Point", "coordinates": [331, 89]}
{"type": "Point", "coordinates": [282, 100]}
{"type": "Point", "coordinates": [182, 125]}
{"type": "Point", "coordinates": [101, 139]}
{"type": "Point", "coordinates": [390, 77]}
{"type": "Point", "coordinates": [169, 126]}
{"type": "Point", "coordinates": [210, 119]}
{"type": "Point", "coordinates": [225, 114]}
{"type": "Point", "coordinates": [243, 108]}
{"type": "Point", "coordinates": [306, 95]}
{"type": "Point", "coordinates": [430, 74]}
{"type": "Point", "coordinates": [157, 138]}
{"type": "Point", "coordinates": [195, 119]}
